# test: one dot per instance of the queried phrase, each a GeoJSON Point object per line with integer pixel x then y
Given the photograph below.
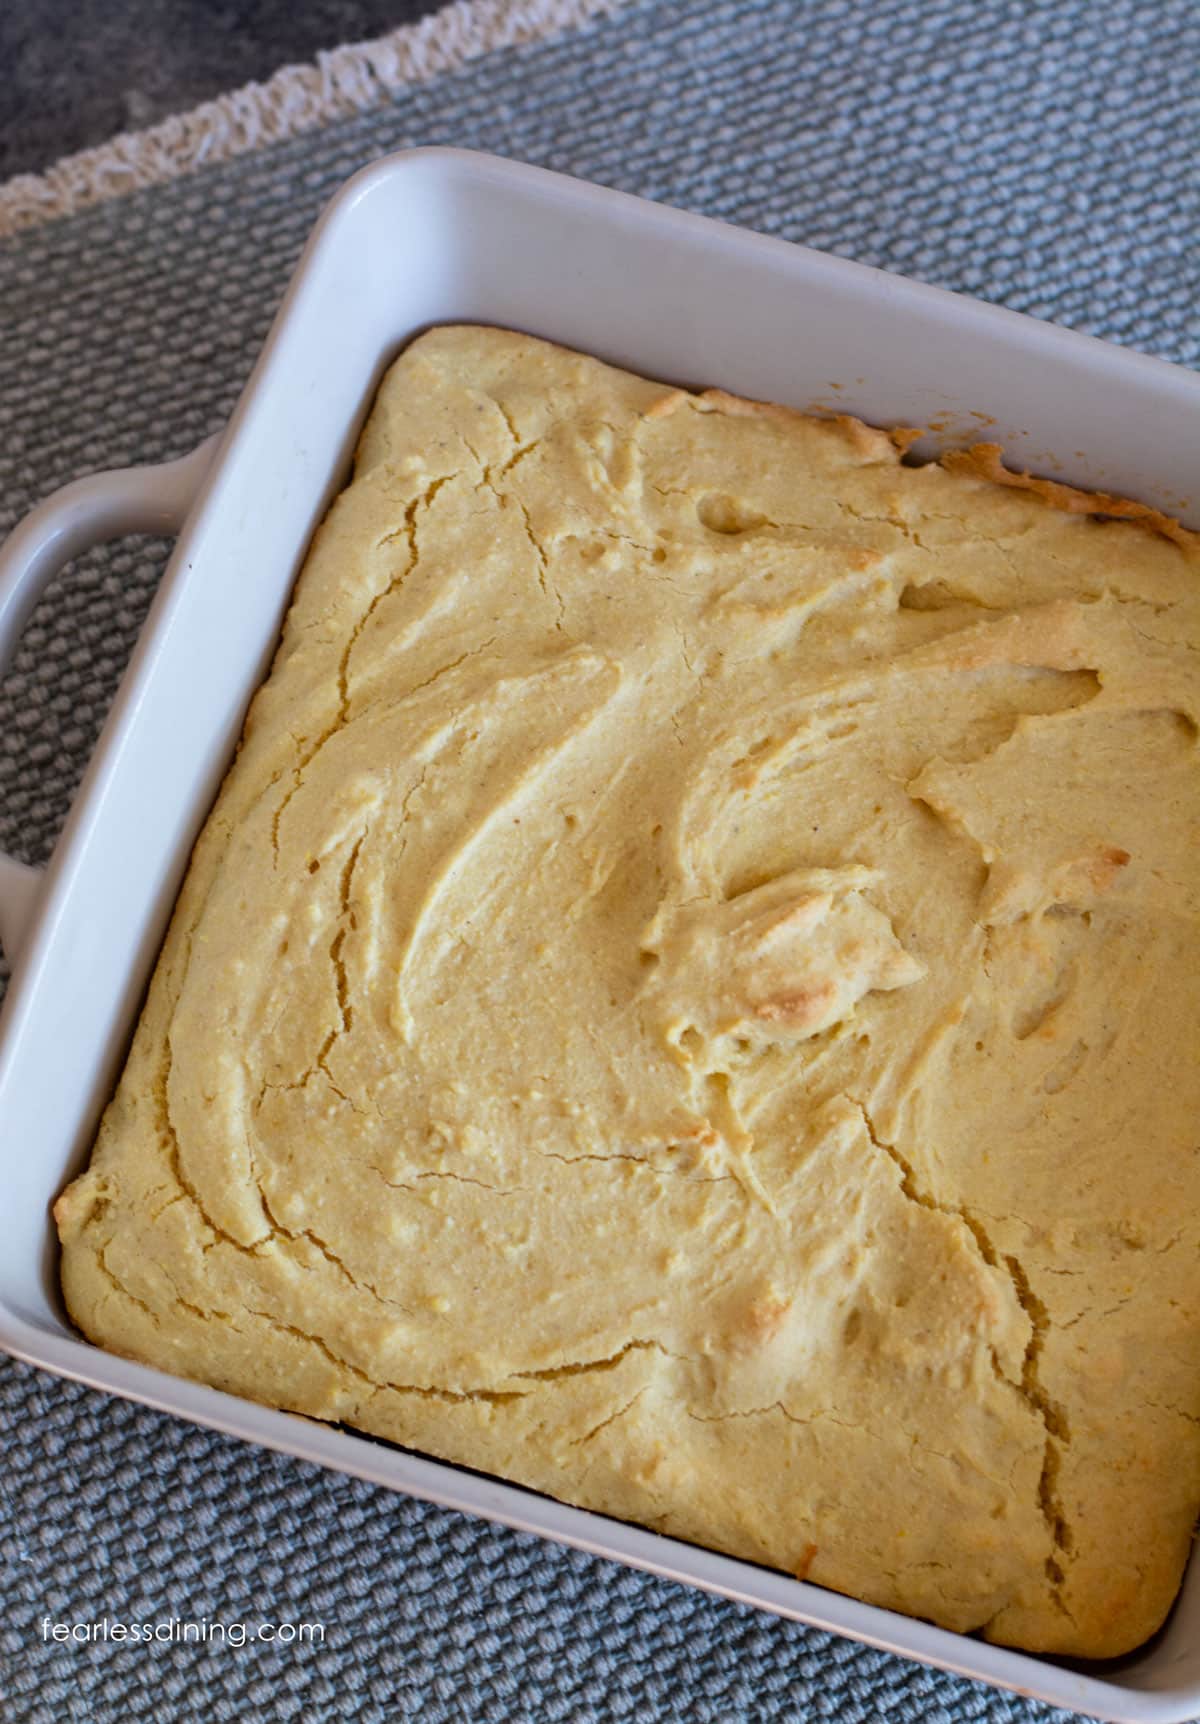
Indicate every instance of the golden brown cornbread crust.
{"type": "Point", "coordinates": [687, 999]}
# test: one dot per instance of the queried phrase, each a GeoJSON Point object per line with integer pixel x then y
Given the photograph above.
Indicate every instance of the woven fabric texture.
{"type": "Point", "coordinates": [1036, 154]}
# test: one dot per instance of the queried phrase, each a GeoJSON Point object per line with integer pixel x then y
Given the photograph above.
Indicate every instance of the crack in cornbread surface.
{"type": "Point", "coordinates": [686, 999]}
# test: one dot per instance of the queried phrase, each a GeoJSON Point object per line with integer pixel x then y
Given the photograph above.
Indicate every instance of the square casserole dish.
{"type": "Point", "coordinates": [427, 237]}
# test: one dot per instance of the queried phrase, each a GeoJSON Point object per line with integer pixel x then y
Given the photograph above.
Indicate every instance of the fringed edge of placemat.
{"type": "Point", "coordinates": [347, 80]}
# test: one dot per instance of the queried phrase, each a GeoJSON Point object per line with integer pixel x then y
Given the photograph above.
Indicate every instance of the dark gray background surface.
{"type": "Point", "coordinates": [1039, 155]}
{"type": "Point", "coordinates": [75, 72]}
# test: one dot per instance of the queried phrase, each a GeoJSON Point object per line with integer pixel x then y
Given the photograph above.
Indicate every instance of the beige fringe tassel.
{"type": "Point", "coordinates": [346, 80]}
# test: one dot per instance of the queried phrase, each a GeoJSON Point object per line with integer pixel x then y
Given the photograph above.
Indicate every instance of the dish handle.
{"type": "Point", "coordinates": [104, 506]}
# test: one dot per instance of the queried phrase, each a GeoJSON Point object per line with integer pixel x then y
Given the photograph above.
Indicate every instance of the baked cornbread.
{"type": "Point", "coordinates": [687, 998]}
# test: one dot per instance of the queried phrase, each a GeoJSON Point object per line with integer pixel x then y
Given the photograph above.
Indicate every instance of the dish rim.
{"type": "Point", "coordinates": [65, 1354]}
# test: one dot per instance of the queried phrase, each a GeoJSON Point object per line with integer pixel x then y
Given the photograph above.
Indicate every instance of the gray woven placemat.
{"type": "Point", "coordinates": [1038, 154]}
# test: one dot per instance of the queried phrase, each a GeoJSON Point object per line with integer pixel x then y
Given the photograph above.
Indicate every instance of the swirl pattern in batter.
{"type": "Point", "coordinates": [687, 998]}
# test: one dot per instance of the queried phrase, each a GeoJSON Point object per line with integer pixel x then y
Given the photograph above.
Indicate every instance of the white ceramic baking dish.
{"type": "Point", "coordinates": [421, 238]}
